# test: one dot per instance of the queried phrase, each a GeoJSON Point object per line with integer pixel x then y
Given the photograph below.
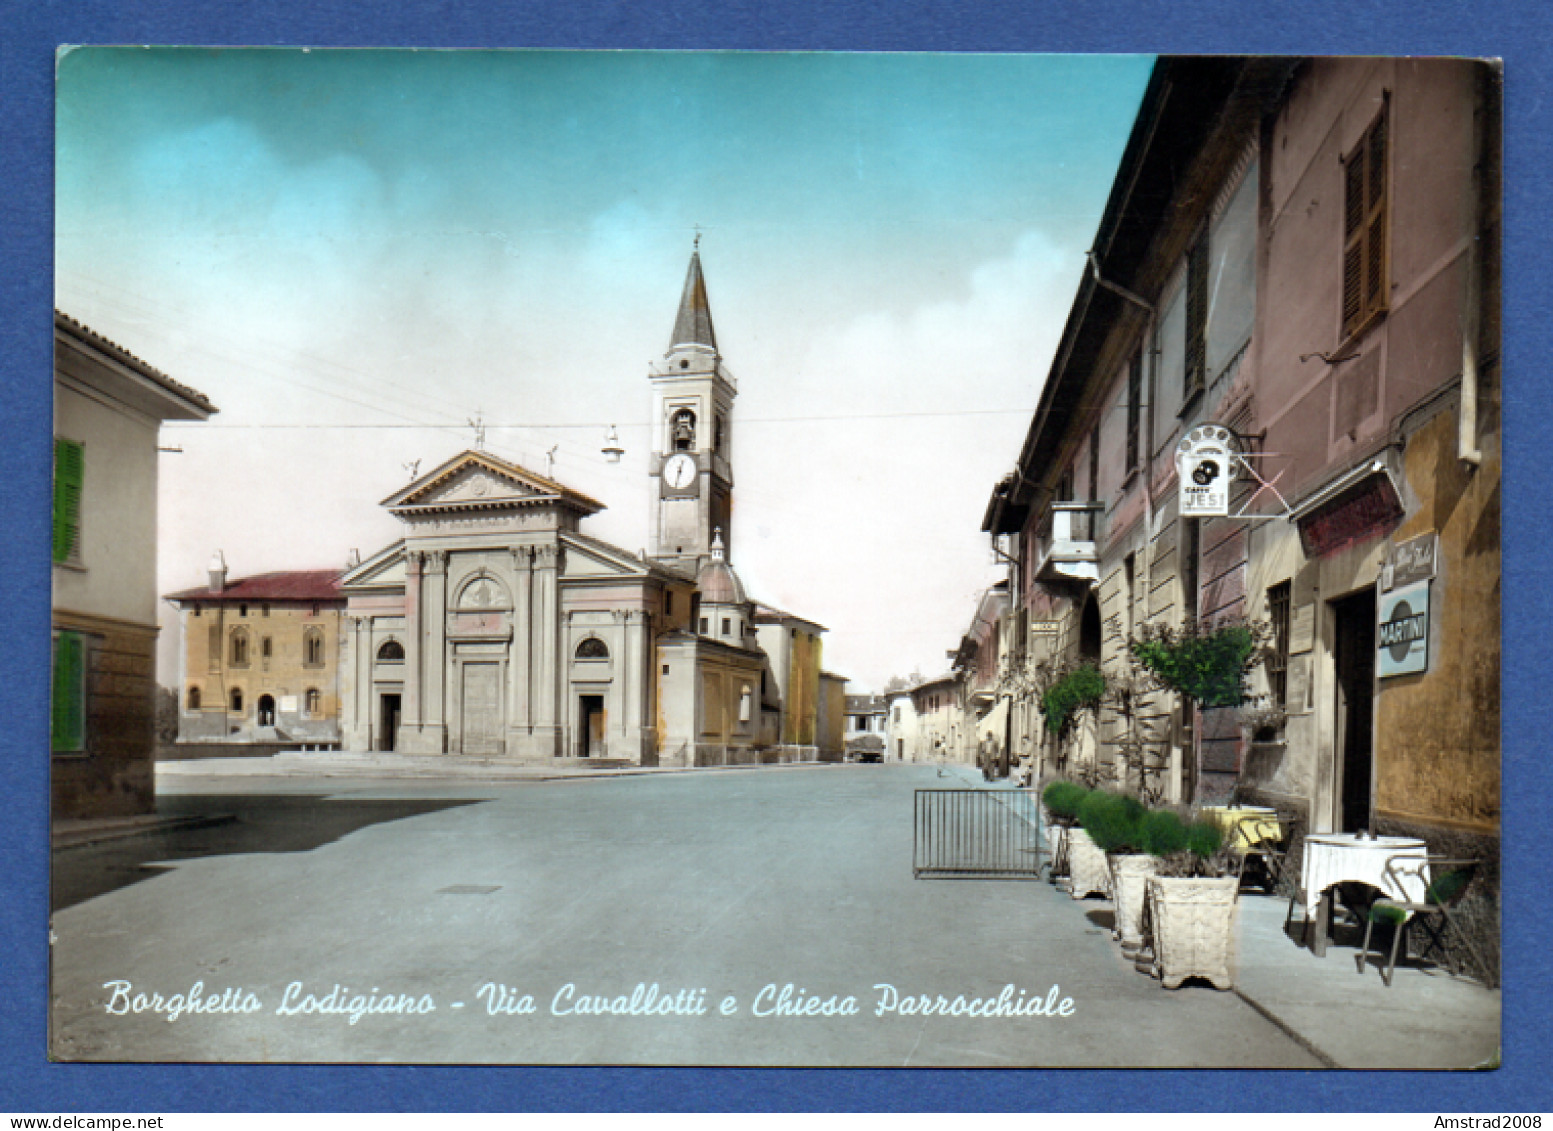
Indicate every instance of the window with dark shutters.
{"type": "Point", "coordinates": [1365, 228]}
{"type": "Point", "coordinates": [1276, 659]}
{"type": "Point", "coordinates": [1196, 318]}
{"type": "Point", "coordinates": [69, 471]}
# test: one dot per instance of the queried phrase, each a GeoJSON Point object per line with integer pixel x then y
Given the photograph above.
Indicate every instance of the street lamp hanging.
{"type": "Point", "coordinates": [612, 449]}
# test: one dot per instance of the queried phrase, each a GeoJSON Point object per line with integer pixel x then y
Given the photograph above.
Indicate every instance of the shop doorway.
{"type": "Point", "coordinates": [591, 725]}
{"type": "Point", "coordinates": [387, 721]}
{"type": "Point", "coordinates": [1354, 661]}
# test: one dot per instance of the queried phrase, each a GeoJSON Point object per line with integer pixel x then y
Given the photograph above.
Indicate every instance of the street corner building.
{"type": "Point", "coordinates": [260, 663]}
{"type": "Point", "coordinates": [1277, 399]}
{"type": "Point", "coordinates": [108, 410]}
{"type": "Point", "coordinates": [496, 628]}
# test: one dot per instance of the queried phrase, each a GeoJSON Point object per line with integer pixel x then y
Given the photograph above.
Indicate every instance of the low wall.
{"type": "Point", "coordinates": [181, 751]}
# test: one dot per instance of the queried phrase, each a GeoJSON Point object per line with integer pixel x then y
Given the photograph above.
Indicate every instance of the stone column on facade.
{"type": "Point", "coordinates": [570, 735]}
{"type": "Point", "coordinates": [615, 693]}
{"type": "Point", "coordinates": [410, 721]}
{"type": "Point", "coordinates": [546, 630]}
{"type": "Point", "coordinates": [351, 737]}
{"type": "Point", "coordinates": [434, 659]}
{"type": "Point", "coordinates": [520, 665]}
{"type": "Point", "coordinates": [367, 718]}
{"type": "Point", "coordinates": [632, 686]}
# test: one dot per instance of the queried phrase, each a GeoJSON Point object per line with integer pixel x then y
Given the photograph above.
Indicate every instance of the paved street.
{"type": "Point", "coordinates": [462, 906]}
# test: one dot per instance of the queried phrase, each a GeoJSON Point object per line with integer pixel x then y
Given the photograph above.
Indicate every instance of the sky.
{"type": "Point", "coordinates": [354, 254]}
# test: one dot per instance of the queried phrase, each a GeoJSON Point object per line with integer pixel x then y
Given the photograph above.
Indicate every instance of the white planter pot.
{"type": "Point", "coordinates": [1194, 929]}
{"type": "Point", "coordinates": [1087, 868]}
{"type": "Point", "coordinates": [1129, 877]}
{"type": "Point", "coordinates": [1056, 847]}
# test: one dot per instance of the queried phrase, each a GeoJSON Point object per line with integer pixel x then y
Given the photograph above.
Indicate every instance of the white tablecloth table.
{"type": "Point", "coordinates": [1338, 858]}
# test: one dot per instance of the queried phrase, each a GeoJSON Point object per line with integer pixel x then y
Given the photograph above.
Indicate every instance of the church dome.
{"type": "Point", "coordinates": [718, 583]}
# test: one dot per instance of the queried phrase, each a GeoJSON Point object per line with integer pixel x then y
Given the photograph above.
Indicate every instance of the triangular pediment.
{"type": "Point", "coordinates": [383, 569]}
{"type": "Point", "coordinates": [588, 557]}
{"type": "Point", "coordinates": [475, 483]}
{"type": "Point", "coordinates": [480, 481]}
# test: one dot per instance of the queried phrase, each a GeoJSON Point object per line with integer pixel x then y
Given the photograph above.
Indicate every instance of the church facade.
{"type": "Point", "coordinates": [497, 628]}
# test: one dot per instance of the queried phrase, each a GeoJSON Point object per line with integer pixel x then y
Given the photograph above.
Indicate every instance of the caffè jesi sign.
{"type": "Point", "coordinates": [1205, 464]}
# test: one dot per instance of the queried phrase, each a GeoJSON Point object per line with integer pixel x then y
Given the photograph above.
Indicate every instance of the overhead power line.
{"type": "Point", "coordinates": [206, 425]}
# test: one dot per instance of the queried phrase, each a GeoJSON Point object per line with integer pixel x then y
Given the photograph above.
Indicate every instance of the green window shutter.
{"type": "Point", "coordinates": [69, 470]}
{"type": "Point", "coordinates": [68, 718]}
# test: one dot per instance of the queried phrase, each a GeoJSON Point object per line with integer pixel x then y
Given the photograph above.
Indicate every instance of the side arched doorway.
{"type": "Point", "coordinates": [266, 709]}
{"type": "Point", "coordinates": [1089, 631]}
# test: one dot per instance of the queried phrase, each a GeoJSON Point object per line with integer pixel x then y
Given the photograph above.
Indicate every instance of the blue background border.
{"type": "Point", "coordinates": [1516, 31]}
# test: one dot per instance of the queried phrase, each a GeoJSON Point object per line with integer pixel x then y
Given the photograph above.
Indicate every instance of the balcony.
{"type": "Point", "coordinates": [1068, 542]}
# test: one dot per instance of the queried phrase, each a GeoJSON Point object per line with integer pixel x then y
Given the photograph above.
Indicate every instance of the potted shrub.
{"type": "Point", "coordinates": [1114, 822]}
{"type": "Point", "coordinates": [1061, 801]}
{"type": "Point", "coordinates": [1193, 901]}
{"type": "Point", "coordinates": [1088, 871]}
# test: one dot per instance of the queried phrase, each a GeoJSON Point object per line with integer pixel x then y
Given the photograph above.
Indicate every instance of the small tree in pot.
{"type": "Point", "coordinates": [1208, 663]}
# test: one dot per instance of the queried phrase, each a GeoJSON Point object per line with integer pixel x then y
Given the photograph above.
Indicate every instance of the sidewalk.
{"type": "Point", "coordinates": [1425, 1019]}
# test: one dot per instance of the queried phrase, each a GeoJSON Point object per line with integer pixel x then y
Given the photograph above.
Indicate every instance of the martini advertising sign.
{"type": "Point", "coordinates": [1402, 636]}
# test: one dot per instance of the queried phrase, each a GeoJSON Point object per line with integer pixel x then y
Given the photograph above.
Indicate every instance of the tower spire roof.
{"type": "Point", "coordinates": [693, 323]}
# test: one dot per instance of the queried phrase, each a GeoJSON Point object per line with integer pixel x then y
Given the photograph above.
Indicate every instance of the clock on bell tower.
{"type": "Point", "coordinates": [692, 398]}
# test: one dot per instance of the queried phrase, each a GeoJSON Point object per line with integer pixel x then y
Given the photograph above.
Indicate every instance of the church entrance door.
{"type": "Point", "coordinates": [592, 729]}
{"type": "Point", "coordinates": [388, 721]}
{"type": "Point", "coordinates": [482, 709]}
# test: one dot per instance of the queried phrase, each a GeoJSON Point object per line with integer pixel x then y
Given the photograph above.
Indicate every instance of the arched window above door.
{"type": "Point", "coordinates": [390, 650]}
{"type": "Point", "coordinates": [592, 649]}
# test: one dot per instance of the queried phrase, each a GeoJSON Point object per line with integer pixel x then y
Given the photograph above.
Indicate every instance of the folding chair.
{"type": "Point", "coordinates": [1451, 879]}
{"type": "Point", "coordinates": [1058, 865]}
{"type": "Point", "coordinates": [1274, 856]}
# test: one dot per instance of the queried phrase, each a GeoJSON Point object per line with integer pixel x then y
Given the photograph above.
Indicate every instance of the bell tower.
{"type": "Point", "coordinates": [692, 412]}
